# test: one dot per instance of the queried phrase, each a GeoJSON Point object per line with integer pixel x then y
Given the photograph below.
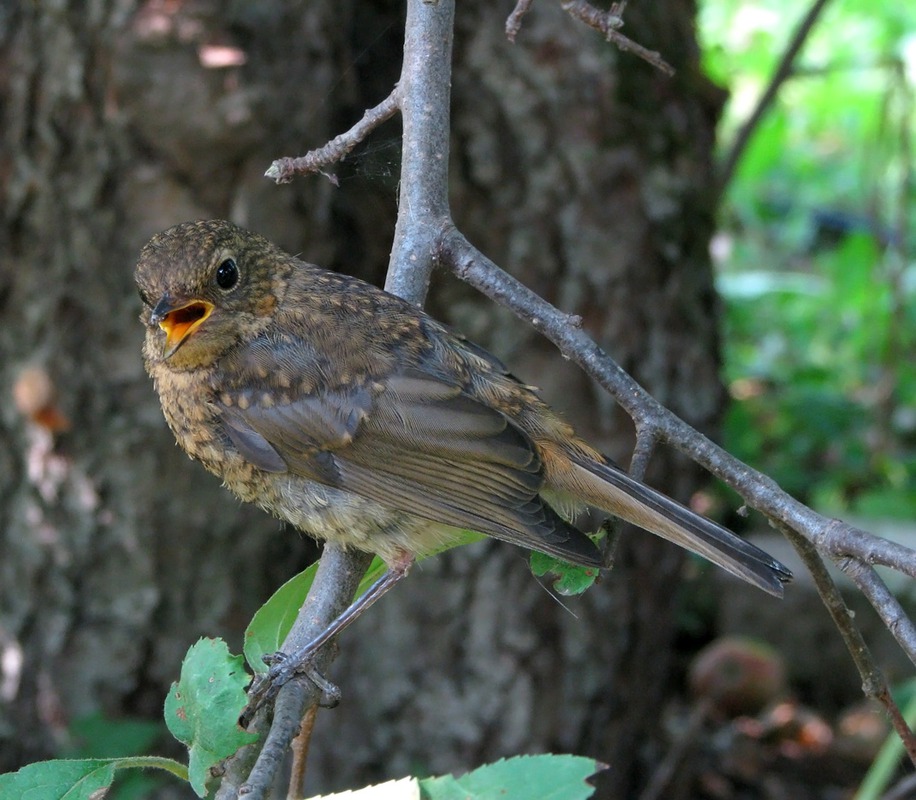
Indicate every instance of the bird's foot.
{"type": "Point", "coordinates": [283, 669]}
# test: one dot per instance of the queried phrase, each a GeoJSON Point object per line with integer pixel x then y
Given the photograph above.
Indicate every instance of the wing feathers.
{"type": "Point", "coordinates": [252, 445]}
{"type": "Point", "coordinates": [419, 445]}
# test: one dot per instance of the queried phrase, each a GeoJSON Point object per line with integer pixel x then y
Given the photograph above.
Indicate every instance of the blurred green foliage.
{"type": "Point", "coordinates": [815, 250]}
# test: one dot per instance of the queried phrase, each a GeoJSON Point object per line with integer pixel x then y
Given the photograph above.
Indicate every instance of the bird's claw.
{"type": "Point", "coordinates": [261, 691]}
{"type": "Point", "coordinates": [330, 692]}
{"type": "Point", "coordinates": [282, 668]}
{"type": "Point", "coordinates": [265, 687]}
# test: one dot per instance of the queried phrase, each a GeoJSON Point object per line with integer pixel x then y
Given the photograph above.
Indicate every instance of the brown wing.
{"type": "Point", "coordinates": [417, 444]}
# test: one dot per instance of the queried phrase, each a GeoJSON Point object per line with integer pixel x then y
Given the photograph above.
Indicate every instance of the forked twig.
{"type": "Point", "coordinates": [888, 607]}
{"type": "Point", "coordinates": [609, 23]}
{"type": "Point", "coordinates": [873, 682]}
{"type": "Point", "coordinates": [283, 170]}
{"type": "Point", "coordinates": [833, 538]}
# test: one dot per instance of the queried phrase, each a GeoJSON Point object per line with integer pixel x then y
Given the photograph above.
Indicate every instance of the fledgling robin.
{"type": "Point", "coordinates": [357, 418]}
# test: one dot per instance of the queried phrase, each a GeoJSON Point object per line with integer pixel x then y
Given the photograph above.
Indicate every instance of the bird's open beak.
{"type": "Point", "coordinates": [179, 321]}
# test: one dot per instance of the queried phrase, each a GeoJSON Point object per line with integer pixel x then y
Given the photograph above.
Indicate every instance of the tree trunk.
{"type": "Point", "coordinates": [581, 170]}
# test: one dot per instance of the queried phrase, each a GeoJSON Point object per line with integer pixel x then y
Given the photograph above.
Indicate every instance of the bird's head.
{"type": "Point", "coordinates": [206, 286]}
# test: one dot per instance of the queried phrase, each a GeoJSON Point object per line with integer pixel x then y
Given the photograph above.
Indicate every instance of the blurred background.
{"type": "Point", "coordinates": [772, 307]}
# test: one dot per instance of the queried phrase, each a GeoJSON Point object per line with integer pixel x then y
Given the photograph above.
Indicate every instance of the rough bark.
{"type": "Point", "coordinates": [581, 170]}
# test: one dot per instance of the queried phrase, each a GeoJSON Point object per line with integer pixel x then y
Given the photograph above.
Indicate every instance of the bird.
{"type": "Point", "coordinates": [359, 419]}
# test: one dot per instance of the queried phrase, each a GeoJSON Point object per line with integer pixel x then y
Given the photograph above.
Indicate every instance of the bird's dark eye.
{"type": "Point", "coordinates": [227, 274]}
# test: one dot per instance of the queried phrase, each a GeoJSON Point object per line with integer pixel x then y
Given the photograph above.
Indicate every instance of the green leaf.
{"type": "Point", "coordinates": [567, 579]}
{"type": "Point", "coordinates": [203, 708]}
{"type": "Point", "coordinates": [272, 621]}
{"type": "Point", "coordinates": [543, 777]}
{"type": "Point", "coordinates": [76, 779]}
{"type": "Point", "coordinates": [58, 780]}
{"type": "Point", "coordinates": [98, 736]}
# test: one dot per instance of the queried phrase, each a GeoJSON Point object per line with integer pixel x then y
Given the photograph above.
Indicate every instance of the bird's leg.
{"type": "Point", "coordinates": [284, 666]}
{"type": "Point", "coordinates": [281, 672]}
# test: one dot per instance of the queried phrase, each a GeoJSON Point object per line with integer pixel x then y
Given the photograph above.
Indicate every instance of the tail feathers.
{"type": "Point", "coordinates": [607, 487]}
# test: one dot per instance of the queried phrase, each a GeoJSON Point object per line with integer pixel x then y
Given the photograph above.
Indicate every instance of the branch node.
{"type": "Point", "coordinates": [646, 439]}
{"type": "Point", "coordinates": [609, 23]}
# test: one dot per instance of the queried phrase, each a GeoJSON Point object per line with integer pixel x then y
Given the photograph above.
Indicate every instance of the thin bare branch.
{"type": "Point", "coordinates": [872, 679]}
{"type": "Point", "coordinates": [292, 701]}
{"type": "Point", "coordinates": [888, 607]}
{"type": "Point", "coordinates": [646, 440]}
{"type": "Point", "coordinates": [300, 748]}
{"type": "Point", "coordinates": [642, 452]}
{"type": "Point", "coordinates": [873, 682]}
{"type": "Point", "coordinates": [900, 725]}
{"type": "Point", "coordinates": [514, 22]}
{"type": "Point", "coordinates": [425, 90]}
{"type": "Point", "coordinates": [839, 539]}
{"type": "Point", "coordinates": [783, 70]}
{"type": "Point", "coordinates": [609, 24]}
{"type": "Point", "coordinates": [759, 491]}
{"type": "Point", "coordinates": [584, 11]}
{"type": "Point", "coordinates": [238, 768]}
{"type": "Point", "coordinates": [283, 170]}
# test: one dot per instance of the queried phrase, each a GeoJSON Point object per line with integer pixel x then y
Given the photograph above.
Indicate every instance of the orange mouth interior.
{"type": "Point", "coordinates": [180, 323]}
